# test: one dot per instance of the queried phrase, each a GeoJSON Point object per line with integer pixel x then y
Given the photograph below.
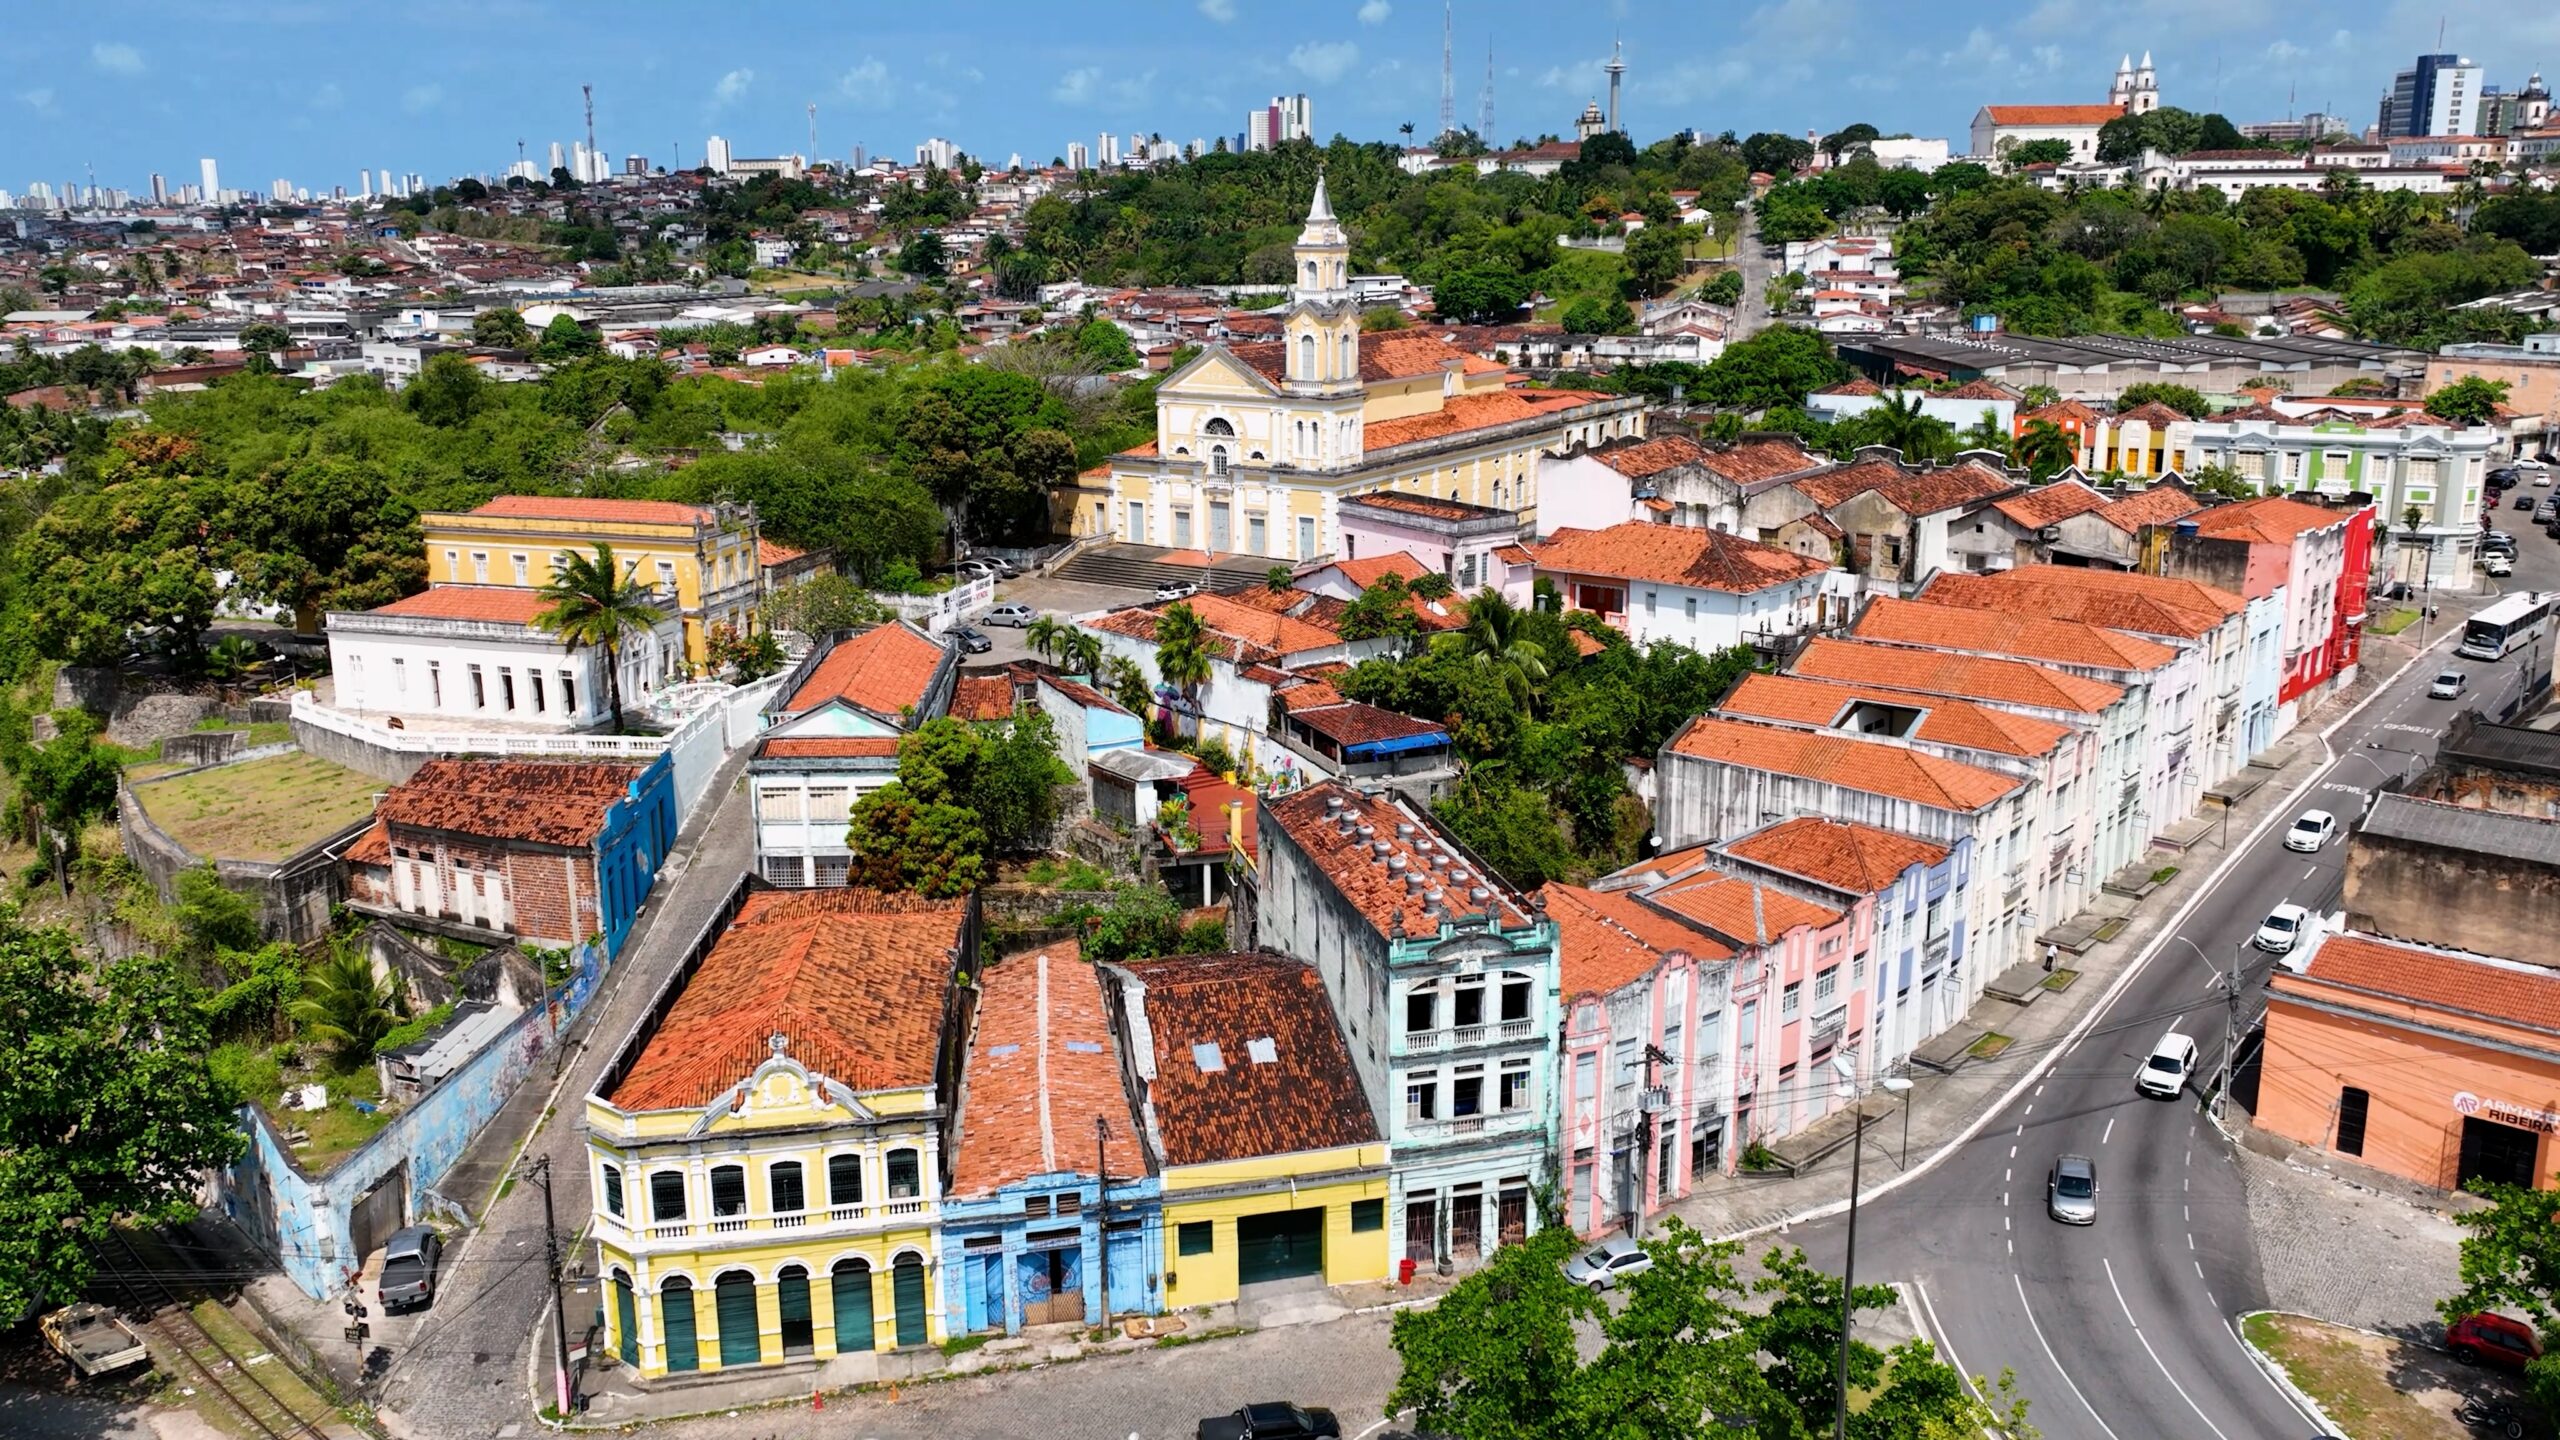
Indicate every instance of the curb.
{"type": "Point", "coordinates": [2276, 1375]}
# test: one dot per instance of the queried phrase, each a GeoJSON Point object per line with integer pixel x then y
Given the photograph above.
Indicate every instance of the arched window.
{"type": "Point", "coordinates": [1218, 426]}
{"type": "Point", "coordinates": [784, 1186]}
{"type": "Point", "coordinates": [905, 1176]}
{"type": "Point", "coordinates": [728, 1190]}
{"type": "Point", "coordinates": [1311, 274]}
{"type": "Point", "coordinates": [1307, 356]}
{"type": "Point", "coordinates": [1349, 348]}
{"type": "Point", "coordinates": [1217, 459]}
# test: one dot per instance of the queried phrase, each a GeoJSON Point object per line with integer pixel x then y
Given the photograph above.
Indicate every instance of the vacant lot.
{"type": "Point", "coordinates": [261, 810]}
{"type": "Point", "coordinates": [2376, 1388]}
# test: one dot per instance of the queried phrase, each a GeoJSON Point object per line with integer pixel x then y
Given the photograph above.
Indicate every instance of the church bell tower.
{"type": "Point", "coordinates": [1324, 322]}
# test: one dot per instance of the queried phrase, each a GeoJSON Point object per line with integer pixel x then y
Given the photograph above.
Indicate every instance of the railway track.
{"type": "Point", "coordinates": [288, 1410]}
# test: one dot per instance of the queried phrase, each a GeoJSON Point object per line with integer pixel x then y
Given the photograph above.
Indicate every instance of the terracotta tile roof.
{"type": "Point", "coordinates": [1369, 880]}
{"type": "Point", "coordinates": [2503, 992]}
{"type": "Point", "coordinates": [2253, 411]}
{"type": "Point", "coordinates": [1514, 555]}
{"type": "Point", "coordinates": [2053, 114]}
{"type": "Point", "coordinates": [1638, 459]}
{"type": "Point", "coordinates": [1675, 555]}
{"type": "Point", "coordinates": [2272, 520]}
{"type": "Point", "coordinates": [982, 697]}
{"type": "Point", "coordinates": [373, 847]}
{"type": "Point", "coordinates": [1931, 491]}
{"type": "Point", "coordinates": [829, 747]}
{"type": "Point", "coordinates": [1250, 633]}
{"type": "Point", "coordinates": [2117, 599]}
{"type": "Point", "coordinates": [1948, 721]}
{"type": "Point", "coordinates": [1082, 694]}
{"type": "Point", "coordinates": [539, 802]}
{"type": "Point", "coordinates": [1430, 505]}
{"type": "Point", "coordinates": [1936, 672]}
{"type": "Point", "coordinates": [770, 553]}
{"type": "Point", "coordinates": [2151, 412]}
{"type": "Point", "coordinates": [1827, 488]}
{"type": "Point", "coordinates": [2021, 637]}
{"type": "Point", "coordinates": [1587, 644]}
{"type": "Point", "coordinates": [885, 670]}
{"type": "Point", "coordinates": [1209, 796]}
{"type": "Point", "coordinates": [1858, 859]}
{"type": "Point", "coordinates": [1754, 460]}
{"type": "Point", "coordinates": [2050, 504]}
{"type": "Point", "coordinates": [1354, 723]}
{"type": "Point", "coordinates": [1604, 940]}
{"type": "Point", "coordinates": [2059, 411]}
{"type": "Point", "coordinates": [1978, 389]}
{"type": "Point", "coordinates": [582, 507]}
{"type": "Point", "coordinates": [2157, 505]}
{"type": "Point", "coordinates": [1042, 1067]}
{"type": "Point", "coordinates": [1368, 570]}
{"type": "Point", "coordinates": [1868, 766]}
{"type": "Point", "coordinates": [1384, 355]}
{"type": "Point", "coordinates": [1213, 1009]}
{"type": "Point", "coordinates": [1855, 385]}
{"type": "Point", "coordinates": [498, 604]}
{"type": "Point", "coordinates": [1308, 696]}
{"type": "Point", "coordinates": [1461, 413]}
{"type": "Point", "coordinates": [1743, 912]}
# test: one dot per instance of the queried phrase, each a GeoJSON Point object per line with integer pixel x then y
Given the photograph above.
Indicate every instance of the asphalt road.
{"type": "Point", "coordinates": [2123, 1330]}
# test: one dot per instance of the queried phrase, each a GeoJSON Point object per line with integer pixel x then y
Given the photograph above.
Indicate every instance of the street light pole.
{"type": "Point", "coordinates": [1895, 1084]}
{"type": "Point", "coordinates": [2230, 1027]}
{"type": "Point", "coordinates": [1647, 1102]}
{"type": "Point", "coordinates": [1847, 1070]}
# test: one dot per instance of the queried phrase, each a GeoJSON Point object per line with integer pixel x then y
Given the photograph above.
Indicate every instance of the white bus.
{"type": "Point", "coordinates": [2515, 621]}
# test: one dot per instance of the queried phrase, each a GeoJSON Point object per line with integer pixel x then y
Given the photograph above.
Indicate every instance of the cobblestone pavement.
{"type": "Point", "coordinates": [462, 1376]}
{"type": "Point", "coordinates": [2342, 1250]}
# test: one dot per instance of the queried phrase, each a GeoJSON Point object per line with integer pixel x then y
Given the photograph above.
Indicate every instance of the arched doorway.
{"type": "Point", "coordinates": [675, 1317]}
{"type": "Point", "coordinates": [907, 1290]}
{"type": "Point", "coordinates": [852, 1279]}
{"type": "Point", "coordinates": [799, 1328]}
{"type": "Point", "coordinates": [626, 1319]}
{"type": "Point", "coordinates": [734, 1305]}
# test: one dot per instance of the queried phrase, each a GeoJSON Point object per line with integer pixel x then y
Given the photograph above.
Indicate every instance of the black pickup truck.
{"type": "Point", "coordinates": [1276, 1420]}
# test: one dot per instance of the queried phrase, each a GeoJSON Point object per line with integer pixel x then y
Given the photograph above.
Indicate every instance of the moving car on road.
{"type": "Point", "coordinates": [1614, 1259]}
{"type": "Point", "coordinates": [1272, 1420]}
{"type": "Point", "coordinates": [2449, 685]}
{"type": "Point", "coordinates": [972, 642]}
{"type": "Point", "coordinates": [2282, 927]}
{"type": "Point", "coordinates": [409, 1268]}
{"type": "Point", "coordinates": [2071, 1190]}
{"type": "Point", "coordinates": [2165, 1073]}
{"type": "Point", "coordinates": [2311, 832]}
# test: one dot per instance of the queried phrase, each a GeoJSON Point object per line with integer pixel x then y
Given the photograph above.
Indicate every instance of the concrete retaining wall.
{"type": "Point", "coordinates": [294, 895]}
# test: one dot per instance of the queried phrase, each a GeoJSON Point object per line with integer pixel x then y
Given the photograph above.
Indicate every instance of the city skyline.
{"type": "Point", "coordinates": [153, 88]}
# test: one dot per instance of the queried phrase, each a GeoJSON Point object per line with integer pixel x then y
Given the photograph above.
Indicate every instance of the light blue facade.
{"type": "Point", "coordinates": [1921, 990]}
{"type": "Point", "coordinates": [2259, 705]}
{"type": "Point", "coordinates": [638, 832]}
{"type": "Point", "coordinates": [1008, 1257]}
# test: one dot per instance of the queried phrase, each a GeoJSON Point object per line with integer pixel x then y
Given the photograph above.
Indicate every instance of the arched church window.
{"type": "Point", "coordinates": [1218, 426]}
{"type": "Point", "coordinates": [1217, 459]}
{"type": "Point", "coordinates": [1349, 347]}
{"type": "Point", "coordinates": [1311, 274]}
{"type": "Point", "coordinates": [1307, 355]}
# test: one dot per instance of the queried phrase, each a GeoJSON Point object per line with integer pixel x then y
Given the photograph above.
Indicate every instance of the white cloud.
{"type": "Point", "coordinates": [2048, 57]}
{"type": "Point", "coordinates": [328, 96]}
{"type": "Point", "coordinates": [39, 100]}
{"type": "Point", "coordinates": [1376, 12]}
{"type": "Point", "coordinates": [116, 59]}
{"type": "Point", "coordinates": [2283, 51]}
{"type": "Point", "coordinates": [1981, 49]}
{"type": "Point", "coordinates": [868, 84]}
{"type": "Point", "coordinates": [419, 99]}
{"type": "Point", "coordinates": [1325, 61]}
{"type": "Point", "coordinates": [731, 86]}
{"type": "Point", "coordinates": [1078, 87]}
{"type": "Point", "coordinates": [1091, 85]}
{"type": "Point", "coordinates": [1222, 11]}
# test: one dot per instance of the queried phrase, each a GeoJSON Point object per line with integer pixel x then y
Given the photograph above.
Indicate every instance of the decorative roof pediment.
{"type": "Point", "coordinates": [781, 1089]}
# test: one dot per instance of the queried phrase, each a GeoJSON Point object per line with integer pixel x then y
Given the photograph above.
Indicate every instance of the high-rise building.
{"type": "Point", "coordinates": [159, 188]}
{"type": "Point", "coordinates": [715, 155]}
{"type": "Point", "coordinates": [1297, 117]}
{"type": "Point", "coordinates": [559, 161]}
{"type": "Point", "coordinates": [384, 186]}
{"type": "Point", "coordinates": [2440, 95]}
{"type": "Point", "coordinates": [1078, 157]}
{"type": "Point", "coordinates": [1107, 150]}
{"type": "Point", "coordinates": [1257, 129]}
{"type": "Point", "coordinates": [861, 158]}
{"type": "Point", "coordinates": [212, 176]}
{"type": "Point", "coordinates": [282, 190]}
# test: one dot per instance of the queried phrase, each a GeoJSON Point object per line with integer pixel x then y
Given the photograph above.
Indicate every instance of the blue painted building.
{"type": "Point", "coordinates": [1049, 1216]}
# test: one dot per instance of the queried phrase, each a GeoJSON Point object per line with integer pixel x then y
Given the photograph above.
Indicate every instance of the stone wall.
{"type": "Point", "coordinates": [2462, 899]}
{"type": "Point", "coordinates": [294, 896]}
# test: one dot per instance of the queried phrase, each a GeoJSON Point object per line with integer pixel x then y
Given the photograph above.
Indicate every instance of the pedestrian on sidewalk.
{"type": "Point", "coordinates": [2051, 952]}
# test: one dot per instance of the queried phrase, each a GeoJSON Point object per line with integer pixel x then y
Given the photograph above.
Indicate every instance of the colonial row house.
{"type": "Point", "coordinates": [831, 737]}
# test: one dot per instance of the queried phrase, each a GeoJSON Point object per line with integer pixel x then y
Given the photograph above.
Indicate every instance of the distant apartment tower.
{"type": "Point", "coordinates": [1283, 118]}
{"type": "Point", "coordinates": [1078, 157]}
{"type": "Point", "coordinates": [559, 162]}
{"type": "Point", "coordinates": [715, 155]}
{"type": "Point", "coordinates": [159, 188]}
{"type": "Point", "coordinates": [1258, 128]}
{"type": "Point", "coordinates": [282, 190]}
{"type": "Point", "coordinates": [1107, 147]}
{"type": "Point", "coordinates": [937, 153]}
{"type": "Point", "coordinates": [212, 177]}
{"type": "Point", "coordinates": [2440, 95]}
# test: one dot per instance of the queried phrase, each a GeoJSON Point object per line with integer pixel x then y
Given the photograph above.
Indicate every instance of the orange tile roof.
{"type": "Point", "coordinates": [1755, 460]}
{"type": "Point", "coordinates": [2501, 992]}
{"type": "Point", "coordinates": [497, 604]}
{"type": "Point", "coordinates": [1368, 570]}
{"type": "Point", "coordinates": [771, 552]}
{"type": "Point", "coordinates": [1605, 940]}
{"type": "Point", "coordinates": [1997, 632]}
{"type": "Point", "coordinates": [2050, 504]}
{"type": "Point", "coordinates": [829, 747]}
{"type": "Point", "coordinates": [1868, 766]}
{"type": "Point", "coordinates": [2053, 114]}
{"type": "Point", "coordinates": [1240, 624]}
{"type": "Point", "coordinates": [1971, 677]}
{"type": "Point", "coordinates": [1417, 504]}
{"type": "Point", "coordinates": [2151, 412]}
{"type": "Point", "coordinates": [1858, 859]}
{"type": "Point", "coordinates": [582, 507]}
{"type": "Point", "coordinates": [1639, 459]}
{"type": "Point", "coordinates": [1743, 912]}
{"type": "Point", "coordinates": [1042, 1067]}
{"type": "Point", "coordinates": [2157, 505]}
{"type": "Point", "coordinates": [1214, 1008]}
{"type": "Point", "coordinates": [982, 697]}
{"type": "Point", "coordinates": [856, 980]}
{"type": "Point", "coordinates": [1948, 721]}
{"type": "Point", "coordinates": [1461, 413]}
{"type": "Point", "coordinates": [373, 847]}
{"type": "Point", "coordinates": [2271, 520]}
{"type": "Point", "coordinates": [2117, 599]}
{"type": "Point", "coordinates": [884, 670]}
{"type": "Point", "coordinates": [1369, 879]}
{"type": "Point", "coordinates": [1384, 355]}
{"type": "Point", "coordinates": [1675, 555]}
{"type": "Point", "coordinates": [536, 801]}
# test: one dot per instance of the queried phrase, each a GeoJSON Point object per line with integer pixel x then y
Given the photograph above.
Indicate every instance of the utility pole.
{"type": "Point", "coordinates": [540, 1172]}
{"type": "Point", "coordinates": [2230, 1026]}
{"type": "Point", "coordinates": [587, 93]}
{"type": "Point", "coordinates": [1848, 1273]}
{"type": "Point", "coordinates": [1648, 1101]}
{"type": "Point", "coordinates": [1102, 1207]}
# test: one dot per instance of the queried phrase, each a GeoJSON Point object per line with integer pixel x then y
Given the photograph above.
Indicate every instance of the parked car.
{"type": "Point", "coordinates": [2545, 510]}
{"type": "Point", "coordinates": [409, 1268]}
{"type": "Point", "coordinates": [2071, 1190]}
{"type": "Point", "coordinates": [2498, 540]}
{"type": "Point", "coordinates": [93, 1338]}
{"type": "Point", "coordinates": [2498, 563]}
{"type": "Point", "coordinates": [2165, 1072]}
{"type": "Point", "coordinates": [972, 642]}
{"type": "Point", "coordinates": [1612, 1260]}
{"type": "Point", "coordinates": [2311, 831]}
{"type": "Point", "coordinates": [1013, 613]}
{"type": "Point", "coordinates": [2524, 502]}
{"type": "Point", "coordinates": [1176, 590]}
{"type": "Point", "coordinates": [2449, 685]}
{"type": "Point", "coordinates": [2487, 1339]}
{"type": "Point", "coordinates": [1272, 1420]}
{"type": "Point", "coordinates": [2282, 927]}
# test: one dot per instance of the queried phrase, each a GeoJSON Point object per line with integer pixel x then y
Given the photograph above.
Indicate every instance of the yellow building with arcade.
{"type": "Point", "coordinates": [703, 556]}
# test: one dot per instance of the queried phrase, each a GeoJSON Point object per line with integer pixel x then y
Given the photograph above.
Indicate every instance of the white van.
{"type": "Point", "coordinates": [2165, 1073]}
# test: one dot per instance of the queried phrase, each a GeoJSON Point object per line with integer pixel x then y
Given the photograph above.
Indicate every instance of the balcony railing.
{"type": "Point", "coordinates": [678, 1230]}
{"type": "Point", "coordinates": [1936, 951]}
{"type": "Point", "coordinates": [1460, 1036]}
{"type": "Point", "coordinates": [905, 1207]}
{"type": "Point", "coordinates": [731, 1227]}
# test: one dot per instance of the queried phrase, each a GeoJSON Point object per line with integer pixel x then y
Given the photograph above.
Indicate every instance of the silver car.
{"type": "Point", "coordinates": [2071, 1190]}
{"type": "Point", "coordinates": [1604, 1265]}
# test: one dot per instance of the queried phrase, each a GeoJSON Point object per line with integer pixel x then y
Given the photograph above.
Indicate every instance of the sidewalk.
{"type": "Point", "coordinates": [1943, 1108]}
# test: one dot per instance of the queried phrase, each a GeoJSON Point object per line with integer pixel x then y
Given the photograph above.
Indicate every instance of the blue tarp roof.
{"type": "Point", "coordinates": [1397, 744]}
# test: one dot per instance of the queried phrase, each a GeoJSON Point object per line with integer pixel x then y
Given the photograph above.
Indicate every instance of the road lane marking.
{"type": "Point", "coordinates": [2191, 1240]}
{"type": "Point", "coordinates": [2039, 1091]}
{"type": "Point", "coordinates": [2199, 1271]}
{"type": "Point", "coordinates": [2021, 1130]}
{"type": "Point", "coordinates": [2030, 1110]}
{"type": "Point", "coordinates": [2183, 1215]}
{"type": "Point", "coordinates": [2013, 1152]}
{"type": "Point", "coordinates": [2314, 870]}
{"type": "Point", "coordinates": [1921, 1292]}
{"type": "Point", "coordinates": [2191, 1157]}
{"type": "Point", "coordinates": [2004, 1222]}
{"type": "Point", "coordinates": [2007, 1175]}
{"type": "Point", "coordinates": [2146, 1348]}
{"type": "Point", "coordinates": [2110, 1131]}
{"type": "Point", "coordinates": [2056, 1361]}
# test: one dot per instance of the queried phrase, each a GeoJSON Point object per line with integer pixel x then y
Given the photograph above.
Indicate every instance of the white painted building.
{"type": "Point", "coordinates": [1706, 589]}
{"type": "Point", "coordinates": [460, 654]}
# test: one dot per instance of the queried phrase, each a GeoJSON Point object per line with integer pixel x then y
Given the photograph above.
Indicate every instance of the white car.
{"type": "Point", "coordinates": [1617, 1258]}
{"type": "Point", "coordinates": [2449, 685]}
{"type": "Point", "coordinates": [1176, 590]}
{"type": "Point", "coordinates": [2498, 565]}
{"type": "Point", "coordinates": [2311, 832]}
{"type": "Point", "coordinates": [2165, 1073]}
{"type": "Point", "coordinates": [2282, 927]}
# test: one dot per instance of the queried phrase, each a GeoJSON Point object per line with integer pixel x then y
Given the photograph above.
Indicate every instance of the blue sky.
{"type": "Point", "coordinates": [313, 89]}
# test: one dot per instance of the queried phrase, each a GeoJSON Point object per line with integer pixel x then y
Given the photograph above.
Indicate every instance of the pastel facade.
{"type": "Point", "coordinates": [474, 654]}
{"type": "Point", "coordinates": [2409, 462]}
{"type": "Point", "coordinates": [1705, 589]}
{"type": "Point", "coordinates": [831, 737]}
{"type": "Point", "coordinates": [702, 556]}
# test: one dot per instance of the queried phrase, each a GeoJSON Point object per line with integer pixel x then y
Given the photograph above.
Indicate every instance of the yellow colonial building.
{"type": "Point", "coordinates": [768, 1148]}
{"type": "Point", "coordinates": [1274, 1172]}
{"type": "Point", "coordinates": [704, 556]}
{"type": "Point", "coordinates": [1256, 444]}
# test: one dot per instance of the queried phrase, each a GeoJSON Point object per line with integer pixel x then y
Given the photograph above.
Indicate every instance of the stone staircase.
{"type": "Point", "coordinates": [1144, 567]}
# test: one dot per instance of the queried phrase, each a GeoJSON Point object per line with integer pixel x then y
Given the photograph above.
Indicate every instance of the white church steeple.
{"type": "Point", "coordinates": [2146, 88]}
{"type": "Point", "coordinates": [1323, 331]}
{"type": "Point", "coordinates": [2120, 94]}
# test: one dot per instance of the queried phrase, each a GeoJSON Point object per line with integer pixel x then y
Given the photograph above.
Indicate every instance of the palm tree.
{"type": "Point", "coordinates": [343, 1004]}
{"type": "Point", "coordinates": [591, 601]}
{"type": "Point", "coordinates": [1496, 636]}
{"type": "Point", "coordinates": [1046, 635]}
{"type": "Point", "coordinates": [1082, 653]}
{"type": "Point", "coordinates": [1986, 434]}
{"type": "Point", "coordinates": [1182, 653]}
{"type": "Point", "coordinates": [2043, 449]}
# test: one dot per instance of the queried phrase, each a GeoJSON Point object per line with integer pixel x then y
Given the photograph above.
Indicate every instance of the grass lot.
{"type": "Point", "coordinates": [260, 732]}
{"type": "Point", "coordinates": [2349, 1373]}
{"type": "Point", "coordinates": [263, 810]}
{"type": "Point", "coordinates": [2393, 623]}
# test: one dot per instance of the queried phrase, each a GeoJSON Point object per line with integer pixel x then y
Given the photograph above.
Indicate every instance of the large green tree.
{"type": "Point", "coordinates": [2511, 1261]}
{"type": "Point", "coordinates": [595, 601]}
{"type": "Point", "coordinates": [107, 1109]}
{"type": "Point", "coordinates": [2472, 400]}
{"type": "Point", "coordinates": [1779, 366]}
